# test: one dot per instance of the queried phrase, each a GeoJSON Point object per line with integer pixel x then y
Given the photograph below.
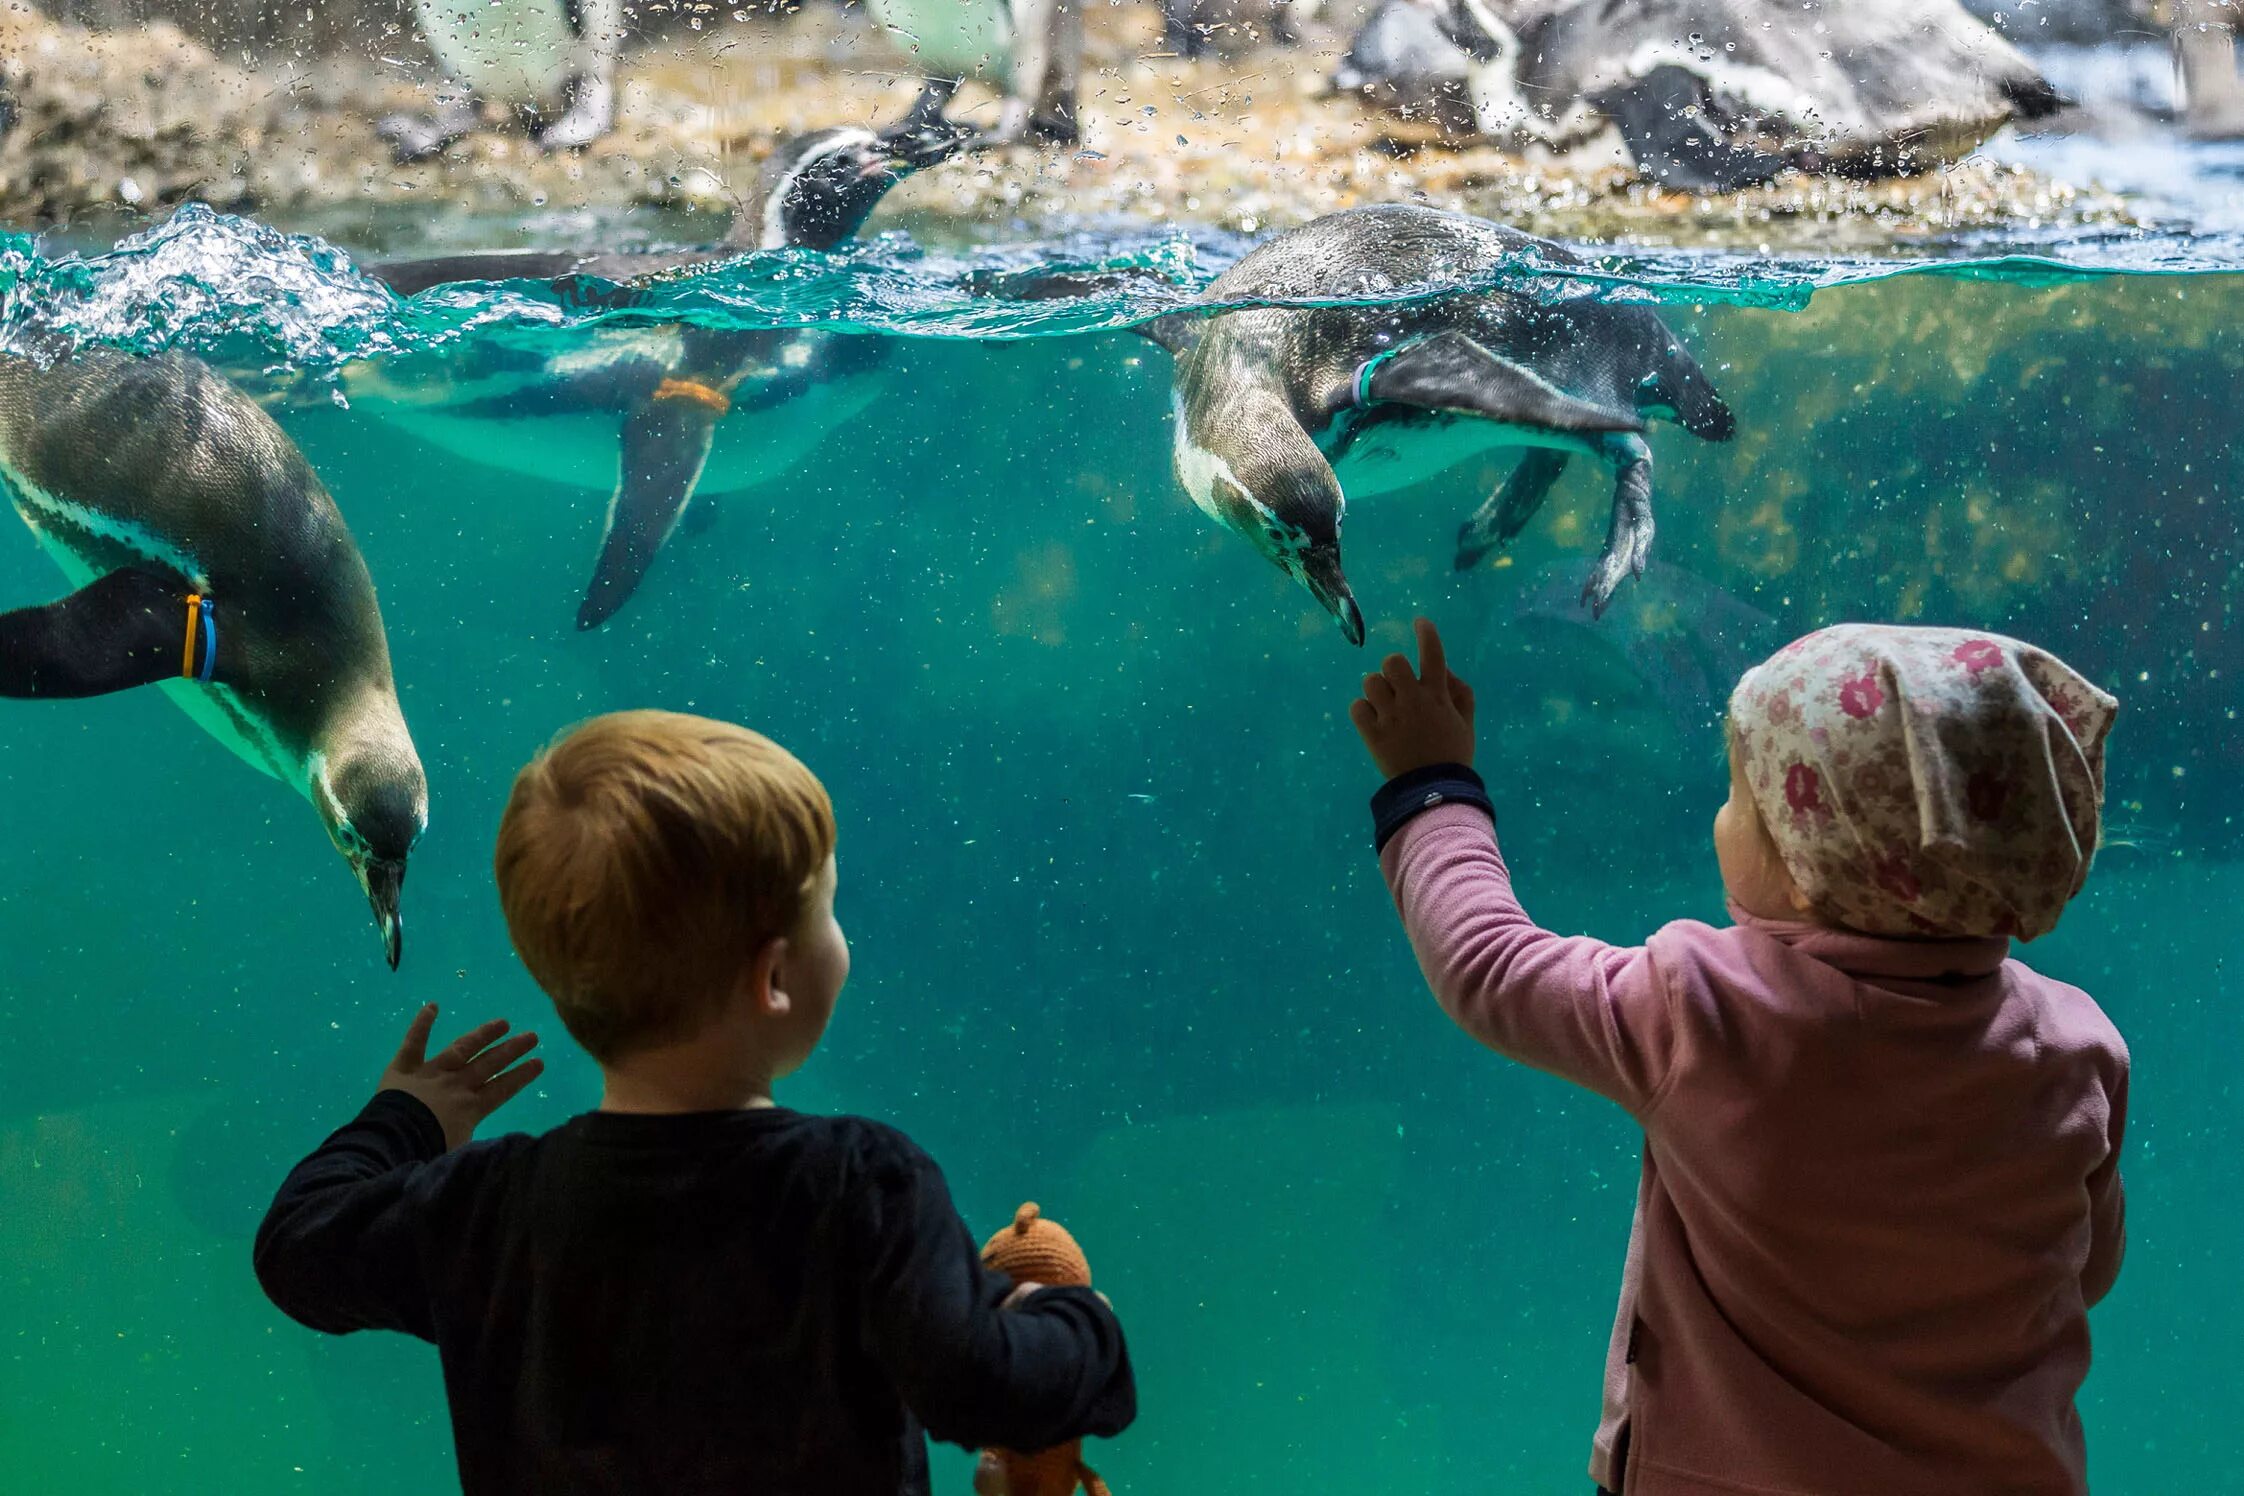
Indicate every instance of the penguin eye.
{"type": "Point", "coordinates": [348, 835]}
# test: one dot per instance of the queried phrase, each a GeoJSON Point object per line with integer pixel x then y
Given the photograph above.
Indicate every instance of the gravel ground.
{"type": "Point", "coordinates": [143, 120]}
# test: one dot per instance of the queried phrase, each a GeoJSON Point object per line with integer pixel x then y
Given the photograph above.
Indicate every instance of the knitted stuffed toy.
{"type": "Point", "coordinates": [1034, 1250]}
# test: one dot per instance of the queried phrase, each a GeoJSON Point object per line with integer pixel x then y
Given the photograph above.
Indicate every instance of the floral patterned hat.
{"type": "Point", "coordinates": [1928, 782]}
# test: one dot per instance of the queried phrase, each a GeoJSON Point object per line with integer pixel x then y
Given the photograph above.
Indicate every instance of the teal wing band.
{"type": "Point", "coordinates": [1369, 367]}
{"type": "Point", "coordinates": [209, 664]}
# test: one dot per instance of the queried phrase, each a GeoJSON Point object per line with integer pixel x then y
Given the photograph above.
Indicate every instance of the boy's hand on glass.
{"type": "Point", "coordinates": [468, 1079]}
{"type": "Point", "coordinates": [1409, 720]}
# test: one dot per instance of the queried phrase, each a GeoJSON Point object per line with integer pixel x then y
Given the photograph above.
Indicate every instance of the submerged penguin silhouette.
{"type": "Point", "coordinates": [209, 559]}
{"type": "Point", "coordinates": [1283, 413]}
{"type": "Point", "coordinates": [670, 383]}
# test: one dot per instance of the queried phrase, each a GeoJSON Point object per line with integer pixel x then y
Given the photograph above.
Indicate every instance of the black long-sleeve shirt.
{"type": "Point", "coordinates": [755, 1303]}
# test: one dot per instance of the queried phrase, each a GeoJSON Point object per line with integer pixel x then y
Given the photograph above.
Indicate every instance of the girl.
{"type": "Point", "coordinates": [1880, 1186]}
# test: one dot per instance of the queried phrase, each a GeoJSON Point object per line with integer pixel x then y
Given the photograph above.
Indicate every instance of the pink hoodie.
{"type": "Point", "coordinates": [1880, 1190]}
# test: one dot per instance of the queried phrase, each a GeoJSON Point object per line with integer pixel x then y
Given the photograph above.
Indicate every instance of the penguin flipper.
{"type": "Point", "coordinates": [665, 445]}
{"type": "Point", "coordinates": [411, 277]}
{"type": "Point", "coordinates": [1508, 510]}
{"type": "Point", "coordinates": [119, 631]}
{"type": "Point", "coordinates": [1175, 331]}
{"type": "Point", "coordinates": [1450, 372]}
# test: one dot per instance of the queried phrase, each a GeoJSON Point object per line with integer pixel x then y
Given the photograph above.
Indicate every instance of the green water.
{"type": "Point", "coordinates": [1119, 941]}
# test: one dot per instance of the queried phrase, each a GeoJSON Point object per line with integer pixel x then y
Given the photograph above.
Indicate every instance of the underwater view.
{"type": "Point", "coordinates": [926, 497]}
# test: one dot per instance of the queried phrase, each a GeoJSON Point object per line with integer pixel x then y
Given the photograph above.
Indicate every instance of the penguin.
{"type": "Point", "coordinates": [1719, 95]}
{"type": "Point", "coordinates": [1408, 60]}
{"type": "Point", "coordinates": [1032, 49]}
{"type": "Point", "coordinates": [1283, 413]}
{"type": "Point", "coordinates": [209, 559]}
{"type": "Point", "coordinates": [551, 62]}
{"type": "Point", "coordinates": [669, 384]}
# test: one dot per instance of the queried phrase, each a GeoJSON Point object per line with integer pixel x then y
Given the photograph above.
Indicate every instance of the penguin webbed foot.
{"type": "Point", "coordinates": [1497, 523]}
{"type": "Point", "coordinates": [1628, 542]}
{"type": "Point", "coordinates": [416, 137]}
{"type": "Point", "coordinates": [591, 114]}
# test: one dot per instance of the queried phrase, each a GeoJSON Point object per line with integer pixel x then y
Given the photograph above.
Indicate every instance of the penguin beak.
{"type": "Point", "coordinates": [908, 147]}
{"type": "Point", "coordinates": [384, 882]}
{"type": "Point", "coordinates": [1321, 574]}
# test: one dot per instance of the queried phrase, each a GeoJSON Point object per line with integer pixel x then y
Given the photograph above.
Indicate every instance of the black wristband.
{"type": "Point", "coordinates": [1407, 795]}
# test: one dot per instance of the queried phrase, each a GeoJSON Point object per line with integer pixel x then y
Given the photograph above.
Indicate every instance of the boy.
{"type": "Point", "coordinates": [691, 1289]}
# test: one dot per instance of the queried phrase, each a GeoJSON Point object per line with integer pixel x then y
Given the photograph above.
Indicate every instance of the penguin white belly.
{"type": "Point", "coordinates": [1393, 456]}
{"type": "Point", "coordinates": [952, 38]}
{"type": "Point", "coordinates": [579, 450]}
{"type": "Point", "coordinates": [509, 51]}
{"type": "Point", "coordinates": [213, 708]}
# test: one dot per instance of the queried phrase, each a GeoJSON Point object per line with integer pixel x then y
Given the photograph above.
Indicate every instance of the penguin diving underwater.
{"type": "Point", "coordinates": [670, 384]}
{"type": "Point", "coordinates": [1282, 413]}
{"type": "Point", "coordinates": [210, 560]}
{"type": "Point", "coordinates": [551, 62]}
{"type": "Point", "coordinates": [1032, 49]}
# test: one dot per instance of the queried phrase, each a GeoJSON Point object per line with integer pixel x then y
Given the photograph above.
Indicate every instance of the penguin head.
{"type": "Point", "coordinates": [1271, 484]}
{"type": "Point", "coordinates": [375, 802]}
{"type": "Point", "coordinates": [821, 187]}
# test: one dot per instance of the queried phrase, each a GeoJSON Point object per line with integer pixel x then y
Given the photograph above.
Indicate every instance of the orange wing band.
{"type": "Point", "coordinates": [194, 617]}
{"type": "Point", "coordinates": [694, 390]}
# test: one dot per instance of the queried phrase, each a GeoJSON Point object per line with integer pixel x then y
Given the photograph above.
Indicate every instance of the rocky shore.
{"type": "Point", "coordinates": [142, 119]}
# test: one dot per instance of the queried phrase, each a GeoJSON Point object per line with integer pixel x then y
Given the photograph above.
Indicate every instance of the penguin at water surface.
{"type": "Point", "coordinates": [551, 62]}
{"type": "Point", "coordinates": [1282, 414]}
{"type": "Point", "coordinates": [669, 383]}
{"type": "Point", "coordinates": [209, 559]}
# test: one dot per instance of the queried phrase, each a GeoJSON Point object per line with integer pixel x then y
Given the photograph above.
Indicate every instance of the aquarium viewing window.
{"type": "Point", "coordinates": [1046, 420]}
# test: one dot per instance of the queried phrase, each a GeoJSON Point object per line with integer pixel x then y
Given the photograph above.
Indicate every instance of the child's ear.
{"type": "Point", "coordinates": [765, 982]}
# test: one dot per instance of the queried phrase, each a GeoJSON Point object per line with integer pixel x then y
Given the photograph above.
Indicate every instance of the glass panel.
{"type": "Point", "coordinates": [1965, 277]}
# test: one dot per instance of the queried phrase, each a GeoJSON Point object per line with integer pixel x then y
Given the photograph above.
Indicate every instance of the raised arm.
{"type": "Point", "coordinates": [1583, 1010]}
{"type": "Point", "coordinates": [341, 1247]}
{"type": "Point", "coordinates": [1050, 1369]}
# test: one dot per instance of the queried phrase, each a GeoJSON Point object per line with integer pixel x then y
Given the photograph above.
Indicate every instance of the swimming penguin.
{"type": "Point", "coordinates": [551, 62]}
{"type": "Point", "coordinates": [1282, 413]}
{"type": "Point", "coordinates": [1716, 95]}
{"type": "Point", "coordinates": [209, 559]}
{"type": "Point", "coordinates": [669, 383]}
{"type": "Point", "coordinates": [1032, 49]}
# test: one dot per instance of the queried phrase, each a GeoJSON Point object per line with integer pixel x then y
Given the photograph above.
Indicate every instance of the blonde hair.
{"type": "Point", "coordinates": [643, 860]}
